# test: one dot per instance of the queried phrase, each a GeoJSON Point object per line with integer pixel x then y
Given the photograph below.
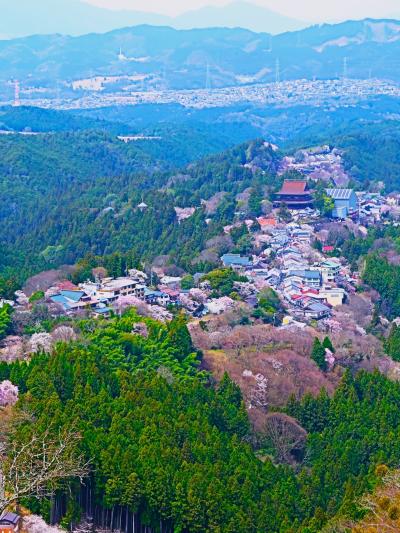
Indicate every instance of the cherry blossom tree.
{"type": "Point", "coordinates": [36, 524]}
{"type": "Point", "coordinates": [63, 334]}
{"type": "Point", "coordinates": [99, 273]}
{"type": "Point", "coordinates": [8, 394]}
{"type": "Point", "coordinates": [125, 302]}
{"type": "Point", "coordinates": [41, 342]}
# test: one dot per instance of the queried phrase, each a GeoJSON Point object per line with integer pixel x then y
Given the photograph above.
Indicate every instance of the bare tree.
{"type": "Point", "coordinates": [382, 507]}
{"type": "Point", "coordinates": [285, 434]}
{"type": "Point", "coordinates": [38, 465]}
{"type": "Point", "coordinates": [99, 273]}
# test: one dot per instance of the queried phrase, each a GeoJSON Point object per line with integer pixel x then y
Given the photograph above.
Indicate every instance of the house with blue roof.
{"type": "Point", "coordinates": [310, 278]}
{"type": "Point", "coordinates": [345, 200]}
{"type": "Point", "coordinates": [236, 261]}
{"type": "Point", "coordinates": [74, 300]}
{"type": "Point", "coordinates": [314, 310]}
{"type": "Point", "coordinates": [156, 297]}
{"type": "Point", "coordinates": [104, 312]}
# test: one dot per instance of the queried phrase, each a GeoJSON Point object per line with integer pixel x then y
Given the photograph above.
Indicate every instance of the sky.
{"type": "Point", "coordinates": [310, 10]}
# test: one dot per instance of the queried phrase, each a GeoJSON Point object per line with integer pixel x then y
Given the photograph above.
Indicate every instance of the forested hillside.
{"type": "Point", "coordinates": [174, 141]}
{"type": "Point", "coordinates": [372, 156]}
{"type": "Point", "coordinates": [66, 195]}
{"type": "Point", "coordinates": [171, 451]}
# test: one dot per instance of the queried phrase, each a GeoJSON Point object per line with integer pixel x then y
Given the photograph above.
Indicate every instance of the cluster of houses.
{"type": "Point", "coordinates": [310, 284]}
{"type": "Point", "coordinates": [103, 296]}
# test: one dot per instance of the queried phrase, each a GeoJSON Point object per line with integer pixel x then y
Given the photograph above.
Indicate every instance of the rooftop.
{"type": "Point", "coordinates": [75, 296]}
{"type": "Point", "coordinates": [66, 285]}
{"type": "Point", "coordinates": [339, 194]}
{"type": "Point", "coordinates": [330, 264]}
{"type": "Point", "coordinates": [102, 310]}
{"type": "Point", "coordinates": [118, 283]}
{"type": "Point", "coordinates": [306, 274]}
{"type": "Point", "coordinates": [317, 307]}
{"type": "Point", "coordinates": [235, 259]}
{"type": "Point", "coordinates": [9, 518]}
{"type": "Point", "coordinates": [294, 187]}
{"type": "Point", "coordinates": [265, 222]}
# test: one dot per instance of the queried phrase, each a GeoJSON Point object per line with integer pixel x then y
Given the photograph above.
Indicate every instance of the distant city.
{"type": "Point", "coordinates": [335, 93]}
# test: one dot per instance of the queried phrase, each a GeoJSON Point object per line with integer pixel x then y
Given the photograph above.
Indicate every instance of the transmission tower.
{"type": "Point", "coordinates": [277, 71]}
{"type": "Point", "coordinates": [17, 94]}
{"type": "Point", "coordinates": [208, 77]}
{"type": "Point", "coordinates": [345, 68]}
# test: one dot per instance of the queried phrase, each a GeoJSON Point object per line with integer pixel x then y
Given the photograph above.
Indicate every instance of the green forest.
{"type": "Point", "coordinates": [65, 196]}
{"type": "Point", "coordinates": [178, 453]}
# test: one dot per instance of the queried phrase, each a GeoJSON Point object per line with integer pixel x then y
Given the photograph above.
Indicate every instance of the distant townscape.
{"type": "Point", "coordinates": [332, 93]}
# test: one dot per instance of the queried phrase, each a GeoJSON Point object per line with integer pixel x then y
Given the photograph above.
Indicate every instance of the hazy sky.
{"type": "Point", "coordinates": [313, 10]}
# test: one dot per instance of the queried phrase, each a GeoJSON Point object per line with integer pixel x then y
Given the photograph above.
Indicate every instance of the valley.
{"type": "Point", "coordinates": [199, 274]}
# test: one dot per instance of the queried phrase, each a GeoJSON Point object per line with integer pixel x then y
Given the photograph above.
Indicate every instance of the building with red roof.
{"type": "Point", "coordinates": [328, 249]}
{"type": "Point", "coordinates": [66, 285]}
{"type": "Point", "coordinates": [266, 224]}
{"type": "Point", "coordinates": [295, 194]}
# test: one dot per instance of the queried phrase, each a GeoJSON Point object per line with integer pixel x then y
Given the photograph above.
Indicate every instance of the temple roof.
{"type": "Point", "coordinates": [294, 187]}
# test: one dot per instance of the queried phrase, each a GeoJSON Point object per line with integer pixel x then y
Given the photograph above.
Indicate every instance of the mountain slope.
{"type": "Point", "coordinates": [238, 15]}
{"type": "Point", "coordinates": [168, 58]}
{"type": "Point", "coordinates": [88, 203]}
{"type": "Point", "coordinates": [76, 17]}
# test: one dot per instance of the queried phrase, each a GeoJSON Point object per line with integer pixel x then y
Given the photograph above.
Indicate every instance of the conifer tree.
{"type": "Point", "coordinates": [318, 354]}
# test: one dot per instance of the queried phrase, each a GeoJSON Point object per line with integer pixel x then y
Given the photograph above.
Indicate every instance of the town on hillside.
{"type": "Point", "coordinates": [294, 261]}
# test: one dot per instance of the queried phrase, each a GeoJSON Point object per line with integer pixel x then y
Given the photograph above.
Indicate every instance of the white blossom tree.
{"type": "Point", "coordinates": [40, 342]}
{"type": "Point", "coordinates": [8, 394]}
{"type": "Point", "coordinates": [36, 524]}
{"type": "Point", "coordinates": [63, 334]}
{"type": "Point", "coordinates": [126, 301]}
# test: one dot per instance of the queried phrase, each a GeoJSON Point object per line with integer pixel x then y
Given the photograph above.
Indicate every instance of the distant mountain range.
{"type": "Point", "coordinates": [162, 57]}
{"type": "Point", "coordinates": [75, 17]}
